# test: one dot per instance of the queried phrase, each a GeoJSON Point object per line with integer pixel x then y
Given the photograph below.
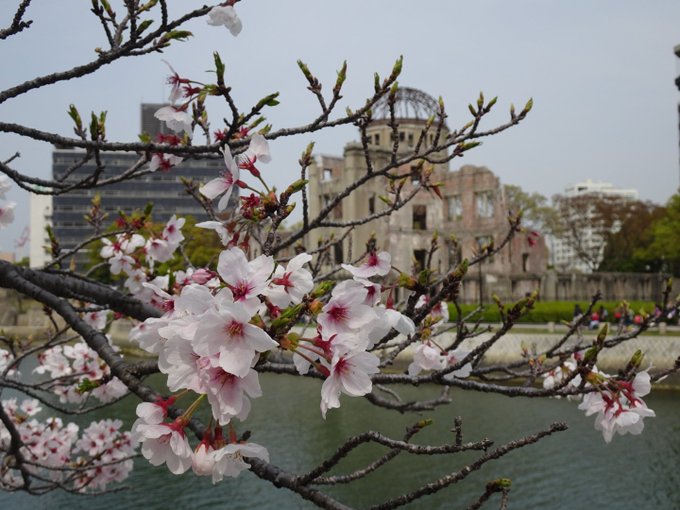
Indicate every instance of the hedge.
{"type": "Point", "coordinates": [550, 311]}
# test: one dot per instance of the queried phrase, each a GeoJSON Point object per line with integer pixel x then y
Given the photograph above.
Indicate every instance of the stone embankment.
{"type": "Point", "coordinates": [661, 350]}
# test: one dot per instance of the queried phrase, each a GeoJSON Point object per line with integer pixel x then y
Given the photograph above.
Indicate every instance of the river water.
{"type": "Point", "coordinates": [569, 470]}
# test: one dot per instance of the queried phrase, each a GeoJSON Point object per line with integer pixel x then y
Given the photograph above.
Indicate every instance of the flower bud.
{"type": "Point", "coordinates": [315, 307]}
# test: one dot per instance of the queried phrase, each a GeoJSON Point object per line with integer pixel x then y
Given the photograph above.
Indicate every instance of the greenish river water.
{"type": "Point", "coordinates": [569, 470]}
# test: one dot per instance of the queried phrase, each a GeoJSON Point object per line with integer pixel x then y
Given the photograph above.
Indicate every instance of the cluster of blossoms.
{"type": "Point", "coordinates": [54, 451]}
{"type": "Point", "coordinates": [165, 442]}
{"type": "Point", "coordinates": [428, 355]}
{"type": "Point", "coordinates": [7, 208]}
{"type": "Point", "coordinates": [136, 256]}
{"type": "Point", "coordinates": [213, 334]}
{"type": "Point", "coordinates": [78, 372]}
{"type": "Point", "coordinates": [617, 403]}
{"type": "Point", "coordinates": [6, 361]}
{"type": "Point", "coordinates": [182, 91]}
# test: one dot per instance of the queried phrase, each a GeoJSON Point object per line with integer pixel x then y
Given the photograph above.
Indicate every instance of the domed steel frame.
{"type": "Point", "coordinates": [410, 104]}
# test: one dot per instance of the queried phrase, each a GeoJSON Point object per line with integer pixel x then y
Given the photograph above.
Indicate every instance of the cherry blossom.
{"type": "Point", "coordinates": [428, 356]}
{"type": "Point", "coordinates": [376, 264]}
{"type": "Point", "coordinates": [389, 319]}
{"type": "Point", "coordinates": [175, 118]}
{"type": "Point", "coordinates": [83, 363]}
{"type": "Point", "coordinates": [7, 214]}
{"type": "Point", "coordinates": [229, 334]}
{"type": "Point", "coordinates": [289, 285]}
{"type": "Point", "coordinates": [164, 443]}
{"type": "Point", "coordinates": [258, 150]}
{"type": "Point", "coordinates": [619, 406]}
{"type": "Point", "coordinates": [345, 312]}
{"type": "Point", "coordinates": [112, 448]}
{"type": "Point", "coordinates": [164, 162]}
{"type": "Point", "coordinates": [172, 232]}
{"type": "Point", "coordinates": [223, 184]}
{"type": "Point", "coordinates": [230, 460]}
{"type": "Point", "coordinates": [203, 460]}
{"type": "Point", "coordinates": [439, 312]}
{"type": "Point", "coordinates": [123, 245]}
{"type": "Point", "coordinates": [228, 394]}
{"type": "Point", "coordinates": [349, 374]}
{"type": "Point", "coordinates": [225, 15]}
{"type": "Point", "coordinates": [218, 227]}
{"type": "Point", "coordinates": [102, 455]}
{"type": "Point", "coordinates": [246, 279]}
{"type": "Point", "coordinates": [159, 250]}
{"type": "Point", "coordinates": [176, 82]}
{"type": "Point", "coordinates": [96, 319]}
{"type": "Point", "coordinates": [6, 358]}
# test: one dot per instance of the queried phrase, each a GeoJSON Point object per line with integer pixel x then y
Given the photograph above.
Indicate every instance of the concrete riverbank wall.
{"type": "Point", "coordinates": [660, 350]}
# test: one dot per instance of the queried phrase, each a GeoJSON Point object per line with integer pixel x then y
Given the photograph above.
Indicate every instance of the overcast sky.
{"type": "Point", "coordinates": [601, 74]}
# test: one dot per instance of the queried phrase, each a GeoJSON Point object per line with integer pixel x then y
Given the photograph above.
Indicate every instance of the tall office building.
{"type": "Point", "coordinates": [164, 189]}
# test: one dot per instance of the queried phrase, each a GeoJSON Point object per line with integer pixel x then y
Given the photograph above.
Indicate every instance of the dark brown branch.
{"type": "Point", "coordinates": [457, 476]}
{"type": "Point", "coordinates": [18, 23]}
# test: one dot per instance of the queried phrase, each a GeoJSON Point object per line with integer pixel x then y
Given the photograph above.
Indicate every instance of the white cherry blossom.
{"type": "Point", "coordinates": [349, 374]}
{"type": "Point", "coordinates": [175, 118]}
{"type": "Point", "coordinates": [224, 184]}
{"type": "Point", "coordinates": [7, 213]}
{"type": "Point", "coordinates": [225, 15]}
{"type": "Point", "coordinates": [376, 264]}
{"type": "Point", "coordinates": [164, 443]}
{"type": "Point", "coordinates": [345, 312]}
{"type": "Point", "coordinates": [289, 285]}
{"type": "Point", "coordinates": [230, 459]}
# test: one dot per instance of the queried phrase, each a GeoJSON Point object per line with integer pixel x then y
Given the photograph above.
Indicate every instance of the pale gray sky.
{"type": "Point", "coordinates": [601, 75]}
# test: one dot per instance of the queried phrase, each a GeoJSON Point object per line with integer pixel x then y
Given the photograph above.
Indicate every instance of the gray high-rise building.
{"type": "Point", "coordinates": [164, 189]}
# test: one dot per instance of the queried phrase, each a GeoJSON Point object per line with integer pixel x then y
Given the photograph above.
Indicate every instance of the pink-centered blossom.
{"type": "Point", "coordinates": [164, 443]}
{"type": "Point", "coordinates": [175, 118]}
{"type": "Point", "coordinates": [349, 374]}
{"type": "Point", "coordinates": [228, 333]}
{"type": "Point", "coordinates": [159, 250]}
{"type": "Point", "coordinates": [164, 162]}
{"type": "Point", "coordinates": [124, 244]}
{"type": "Point", "coordinates": [246, 279]}
{"type": "Point", "coordinates": [345, 312]}
{"type": "Point", "coordinates": [172, 232]}
{"type": "Point", "coordinates": [376, 264]}
{"type": "Point", "coordinates": [619, 407]}
{"type": "Point", "coordinates": [228, 394]}
{"type": "Point", "coordinates": [258, 151]}
{"type": "Point", "coordinates": [175, 81]}
{"type": "Point", "coordinates": [224, 184]}
{"type": "Point", "coordinates": [96, 319]}
{"type": "Point", "coordinates": [290, 285]}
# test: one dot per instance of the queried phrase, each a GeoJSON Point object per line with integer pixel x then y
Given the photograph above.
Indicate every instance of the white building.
{"type": "Point", "coordinates": [599, 188]}
{"type": "Point", "coordinates": [562, 256]}
{"type": "Point", "coordinates": [40, 217]}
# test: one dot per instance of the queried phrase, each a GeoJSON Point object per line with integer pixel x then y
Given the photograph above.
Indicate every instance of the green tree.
{"type": "Point", "coordinates": [626, 249]}
{"type": "Point", "coordinates": [536, 211]}
{"type": "Point", "coordinates": [665, 245]}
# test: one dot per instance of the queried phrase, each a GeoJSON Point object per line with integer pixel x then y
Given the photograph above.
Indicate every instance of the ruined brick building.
{"type": "Point", "coordinates": [471, 213]}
